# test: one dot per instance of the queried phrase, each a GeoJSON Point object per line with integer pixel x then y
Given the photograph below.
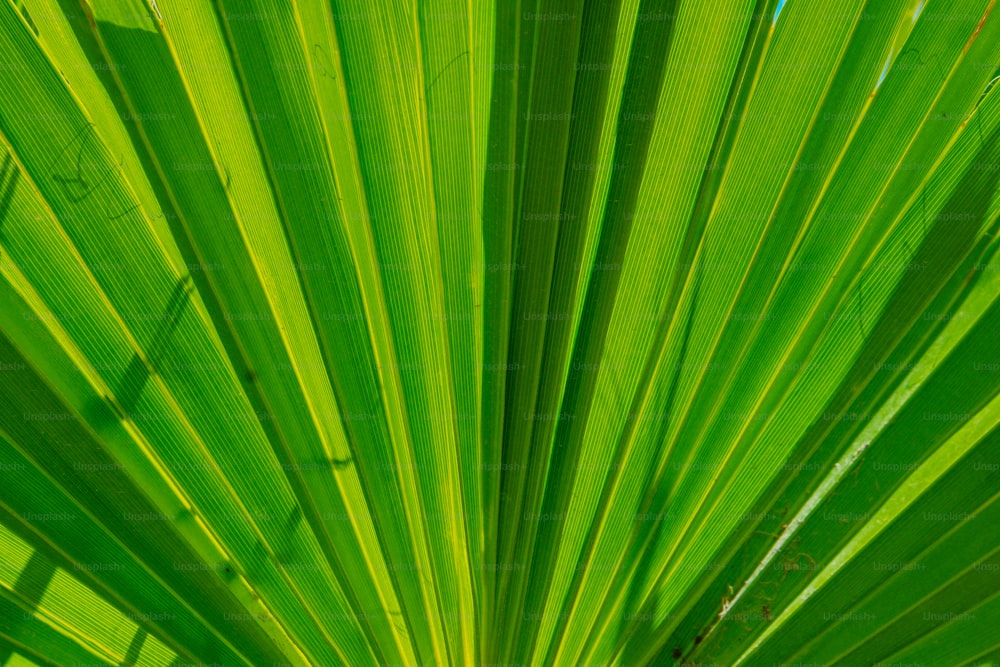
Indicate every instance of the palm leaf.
{"type": "Point", "coordinates": [628, 332]}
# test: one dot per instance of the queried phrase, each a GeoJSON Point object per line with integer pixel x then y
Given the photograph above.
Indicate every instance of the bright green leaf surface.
{"type": "Point", "coordinates": [628, 332]}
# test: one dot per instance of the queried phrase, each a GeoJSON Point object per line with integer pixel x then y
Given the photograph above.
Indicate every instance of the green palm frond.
{"type": "Point", "coordinates": [605, 332]}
